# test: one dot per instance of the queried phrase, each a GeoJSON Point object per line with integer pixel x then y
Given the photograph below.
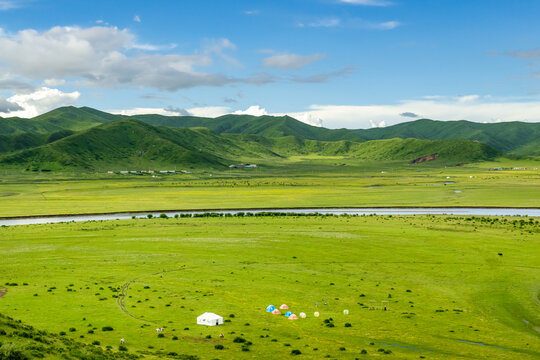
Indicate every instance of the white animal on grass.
{"type": "Point", "coordinates": [122, 341]}
{"type": "Point", "coordinates": [158, 330]}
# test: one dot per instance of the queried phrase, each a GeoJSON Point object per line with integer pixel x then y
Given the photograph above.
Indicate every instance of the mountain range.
{"type": "Point", "coordinates": [89, 138]}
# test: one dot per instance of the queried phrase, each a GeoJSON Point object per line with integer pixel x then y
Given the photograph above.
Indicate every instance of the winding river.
{"type": "Point", "coordinates": [336, 211]}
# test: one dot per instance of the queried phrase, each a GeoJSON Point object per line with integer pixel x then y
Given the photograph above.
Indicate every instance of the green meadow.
{"type": "Point", "coordinates": [300, 181]}
{"type": "Point", "coordinates": [454, 287]}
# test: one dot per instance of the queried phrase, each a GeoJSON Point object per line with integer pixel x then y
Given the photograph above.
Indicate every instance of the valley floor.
{"type": "Point", "coordinates": [453, 287]}
{"type": "Point", "coordinates": [300, 182]}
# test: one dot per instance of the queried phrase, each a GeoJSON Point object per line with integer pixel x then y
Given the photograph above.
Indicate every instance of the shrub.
{"type": "Point", "coordinates": [122, 348]}
{"type": "Point", "coordinates": [342, 349]}
{"type": "Point", "coordinates": [245, 348]}
{"type": "Point", "coordinates": [62, 333]}
{"type": "Point", "coordinates": [296, 352]}
{"type": "Point", "coordinates": [95, 342]}
{"type": "Point", "coordinates": [331, 325]}
{"type": "Point", "coordinates": [163, 216]}
{"type": "Point", "coordinates": [72, 329]}
{"type": "Point", "coordinates": [175, 337]}
{"type": "Point", "coordinates": [149, 216]}
{"type": "Point", "coordinates": [231, 315]}
{"type": "Point", "coordinates": [107, 328]}
{"type": "Point", "coordinates": [239, 339]}
{"type": "Point", "coordinates": [348, 325]}
{"type": "Point", "coordinates": [219, 347]}
{"type": "Point", "coordinates": [363, 352]}
{"type": "Point", "coordinates": [90, 331]}
{"type": "Point", "coordinates": [12, 352]}
{"type": "Point", "coordinates": [160, 335]}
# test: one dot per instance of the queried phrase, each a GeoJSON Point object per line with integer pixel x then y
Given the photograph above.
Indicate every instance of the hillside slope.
{"type": "Point", "coordinates": [131, 144]}
{"type": "Point", "coordinates": [510, 137]}
{"type": "Point", "coordinates": [128, 143]}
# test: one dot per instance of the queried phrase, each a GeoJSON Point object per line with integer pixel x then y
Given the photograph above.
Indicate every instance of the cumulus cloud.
{"type": "Point", "coordinates": [254, 110]}
{"type": "Point", "coordinates": [380, 124]}
{"type": "Point", "coordinates": [41, 101]}
{"type": "Point", "coordinates": [178, 110]}
{"type": "Point", "coordinates": [291, 61]}
{"type": "Point", "coordinates": [8, 106]}
{"type": "Point", "coordinates": [100, 56]}
{"type": "Point", "coordinates": [482, 109]}
{"type": "Point", "coordinates": [367, 2]}
{"type": "Point", "coordinates": [409, 114]}
{"type": "Point", "coordinates": [209, 111]}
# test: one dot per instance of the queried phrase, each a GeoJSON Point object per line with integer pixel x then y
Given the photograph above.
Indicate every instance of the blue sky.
{"type": "Point", "coordinates": [340, 63]}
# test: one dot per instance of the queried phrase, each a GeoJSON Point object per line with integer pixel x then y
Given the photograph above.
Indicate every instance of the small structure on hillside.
{"type": "Point", "coordinates": [209, 319]}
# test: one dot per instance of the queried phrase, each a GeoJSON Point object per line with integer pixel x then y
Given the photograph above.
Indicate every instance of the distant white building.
{"type": "Point", "coordinates": [209, 319]}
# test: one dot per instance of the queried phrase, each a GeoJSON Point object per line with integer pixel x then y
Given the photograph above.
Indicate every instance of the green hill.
{"type": "Point", "coordinates": [510, 137]}
{"type": "Point", "coordinates": [64, 118]}
{"type": "Point", "coordinates": [128, 144]}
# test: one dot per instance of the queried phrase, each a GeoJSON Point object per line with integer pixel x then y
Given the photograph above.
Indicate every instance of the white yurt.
{"type": "Point", "coordinates": [209, 319]}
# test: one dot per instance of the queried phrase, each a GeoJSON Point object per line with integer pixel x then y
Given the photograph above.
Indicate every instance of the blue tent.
{"type": "Point", "coordinates": [270, 308]}
{"type": "Point", "coordinates": [288, 313]}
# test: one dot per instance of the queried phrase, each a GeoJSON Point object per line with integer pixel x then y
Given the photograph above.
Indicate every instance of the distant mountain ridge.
{"type": "Point", "coordinates": [133, 144]}
{"type": "Point", "coordinates": [510, 137]}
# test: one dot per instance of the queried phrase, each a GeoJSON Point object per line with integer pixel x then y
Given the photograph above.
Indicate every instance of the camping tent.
{"type": "Point", "coordinates": [283, 307]}
{"type": "Point", "coordinates": [276, 312]}
{"type": "Point", "coordinates": [270, 308]}
{"type": "Point", "coordinates": [288, 313]}
{"type": "Point", "coordinates": [293, 317]}
{"type": "Point", "coordinates": [303, 315]}
{"type": "Point", "coordinates": [209, 319]}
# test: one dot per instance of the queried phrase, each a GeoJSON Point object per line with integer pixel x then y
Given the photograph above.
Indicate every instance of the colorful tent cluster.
{"type": "Point", "coordinates": [289, 314]}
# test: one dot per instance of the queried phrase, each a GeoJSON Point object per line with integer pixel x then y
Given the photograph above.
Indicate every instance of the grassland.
{"type": "Point", "coordinates": [301, 181]}
{"type": "Point", "coordinates": [457, 287]}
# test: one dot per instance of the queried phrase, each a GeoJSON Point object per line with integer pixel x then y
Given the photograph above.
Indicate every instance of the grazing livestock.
{"type": "Point", "coordinates": [221, 336]}
{"type": "Point", "coordinates": [122, 341]}
{"type": "Point", "coordinates": [159, 330]}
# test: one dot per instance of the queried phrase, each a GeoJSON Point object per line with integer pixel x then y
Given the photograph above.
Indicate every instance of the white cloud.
{"type": "Point", "coordinates": [474, 108]}
{"type": "Point", "coordinates": [137, 18]}
{"type": "Point", "coordinates": [381, 124]}
{"type": "Point", "coordinates": [144, 111]}
{"type": "Point", "coordinates": [252, 12]}
{"type": "Point", "coordinates": [209, 111]}
{"type": "Point", "coordinates": [254, 110]}
{"type": "Point", "coordinates": [291, 61]}
{"type": "Point", "coordinates": [367, 2]}
{"type": "Point", "coordinates": [99, 56]}
{"type": "Point", "coordinates": [41, 101]}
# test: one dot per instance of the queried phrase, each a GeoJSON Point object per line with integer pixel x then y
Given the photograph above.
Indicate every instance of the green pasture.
{"type": "Point", "coordinates": [456, 287]}
{"type": "Point", "coordinates": [298, 182]}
